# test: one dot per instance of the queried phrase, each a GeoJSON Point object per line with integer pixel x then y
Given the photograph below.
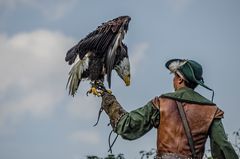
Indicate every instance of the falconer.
{"type": "Point", "coordinates": [184, 119]}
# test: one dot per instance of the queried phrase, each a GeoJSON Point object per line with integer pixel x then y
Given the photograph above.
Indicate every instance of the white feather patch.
{"type": "Point", "coordinates": [75, 74]}
{"type": "Point", "coordinates": [125, 62]}
{"type": "Point", "coordinates": [80, 65]}
{"type": "Point", "coordinates": [123, 69]}
{"type": "Point", "coordinates": [175, 65]}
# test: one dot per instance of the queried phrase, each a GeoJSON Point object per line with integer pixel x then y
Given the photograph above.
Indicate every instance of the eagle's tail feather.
{"type": "Point", "coordinates": [75, 75]}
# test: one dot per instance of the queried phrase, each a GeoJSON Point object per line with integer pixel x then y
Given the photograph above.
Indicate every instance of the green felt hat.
{"type": "Point", "coordinates": [189, 70]}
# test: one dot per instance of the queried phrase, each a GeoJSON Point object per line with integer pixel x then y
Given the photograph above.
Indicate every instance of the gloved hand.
{"type": "Point", "coordinates": [107, 101]}
{"type": "Point", "coordinates": [113, 109]}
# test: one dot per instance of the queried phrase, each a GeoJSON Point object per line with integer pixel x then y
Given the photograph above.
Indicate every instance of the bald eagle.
{"type": "Point", "coordinates": [98, 54]}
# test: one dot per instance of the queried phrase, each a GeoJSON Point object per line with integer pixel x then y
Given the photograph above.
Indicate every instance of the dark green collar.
{"type": "Point", "coordinates": [188, 95]}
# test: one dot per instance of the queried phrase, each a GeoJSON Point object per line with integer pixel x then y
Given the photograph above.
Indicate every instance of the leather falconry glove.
{"type": "Point", "coordinates": [113, 109]}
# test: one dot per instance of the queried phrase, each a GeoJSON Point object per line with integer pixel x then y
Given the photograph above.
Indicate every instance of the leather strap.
{"type": "Point", "coordinates": [186, 128]}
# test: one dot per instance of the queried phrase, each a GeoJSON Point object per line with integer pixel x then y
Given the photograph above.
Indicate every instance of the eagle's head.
{"type": "Point", "coordinates": [122, 65]}
{"type": "Point", "coordinates": [123, 70]}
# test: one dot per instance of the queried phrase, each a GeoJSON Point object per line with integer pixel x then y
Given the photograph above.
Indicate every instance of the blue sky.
{"type": "Point", "coordinates": [37, 117]}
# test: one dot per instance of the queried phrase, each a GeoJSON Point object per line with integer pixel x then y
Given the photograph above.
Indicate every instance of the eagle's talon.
{"type": "Point", "coordinates": [89, 92]}
{"type": "Point", "coordinates": [95, 91]}
{"type": "Point", "coordinates": [100, 86]}
{"type": "Point", "coordinates": [109, 91]}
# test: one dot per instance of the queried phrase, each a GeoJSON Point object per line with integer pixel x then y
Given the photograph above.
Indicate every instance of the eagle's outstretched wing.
{"type": "Point", "coordinates": [98, 40]}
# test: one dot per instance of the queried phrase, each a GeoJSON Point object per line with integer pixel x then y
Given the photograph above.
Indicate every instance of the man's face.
{"type": "Point", "coordinates": [177, 81]}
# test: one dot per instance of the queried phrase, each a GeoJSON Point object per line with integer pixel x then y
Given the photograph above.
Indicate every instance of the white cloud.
{"type": "Point", "coordinates": [85, 137]}
{"type": "Point", "coordinates": [137, 55]}
{"type": "Point", "coordinates": [30, 57]}
{"type": "Point", "coordinates": [33, 74]}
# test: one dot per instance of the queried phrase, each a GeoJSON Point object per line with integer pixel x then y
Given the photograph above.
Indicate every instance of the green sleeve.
{"type": "Point", "coordinates": [221, 148]}
{"type": "Point", "coordinates": [138, 122]}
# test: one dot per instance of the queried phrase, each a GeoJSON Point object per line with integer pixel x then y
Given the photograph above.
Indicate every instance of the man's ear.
{"type": "Point", "coordinates": [180, 80]}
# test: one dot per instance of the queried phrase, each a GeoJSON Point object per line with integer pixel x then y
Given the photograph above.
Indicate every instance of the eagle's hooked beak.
{"type": "Point", "coordinates": [127, 80]}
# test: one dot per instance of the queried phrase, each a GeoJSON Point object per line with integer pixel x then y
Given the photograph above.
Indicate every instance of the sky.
{"type": "Point", "coordinates": [38, 119]}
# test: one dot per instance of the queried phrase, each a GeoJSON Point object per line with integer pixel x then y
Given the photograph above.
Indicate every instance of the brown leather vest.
{"type": "Point", "coordinates": [171, 137]}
